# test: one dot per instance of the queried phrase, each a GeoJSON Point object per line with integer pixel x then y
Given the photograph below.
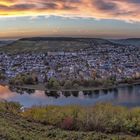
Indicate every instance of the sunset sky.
{"type": "Point", "coordinates": [84, 18]}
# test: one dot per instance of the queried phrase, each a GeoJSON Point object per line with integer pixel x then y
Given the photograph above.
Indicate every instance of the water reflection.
{"type": "Point", "coordinates": [21, 90]}
{"type": "Point", "coordinates": [75, 93]}
{"type": "Point", "coordinates": [105, 91]}
{"type": "Point", "coordinates": [52, 94]}
{"type": "Point", "coordinates": [66, 93]}
{"type": "Point", "coordinates": [126, 96]}
{"type": "Point", "coordinates": [5, 93]}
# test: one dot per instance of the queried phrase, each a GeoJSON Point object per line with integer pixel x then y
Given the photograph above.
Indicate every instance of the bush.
{"type": "Point", "coordinates": [12, 107]}
{"type": "Point", "coordinates": [53, 84]}
{"type": "Point", "coordinates": [68, 84]}
{"type": "Point", "coordinates": [101, 117]}
{"type": "Point", "coordinates": [68, 123]}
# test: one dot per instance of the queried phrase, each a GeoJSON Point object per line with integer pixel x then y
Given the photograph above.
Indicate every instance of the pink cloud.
{"type": "Point", "coordinates": [127, 10]}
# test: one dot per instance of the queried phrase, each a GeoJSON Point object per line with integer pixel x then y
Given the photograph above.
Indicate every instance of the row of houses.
{"type": "Point", "coordinates": [95, 62]}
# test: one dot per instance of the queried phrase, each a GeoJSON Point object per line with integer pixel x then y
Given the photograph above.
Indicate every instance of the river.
{"type": "Point", "coordinates": [128, 96]}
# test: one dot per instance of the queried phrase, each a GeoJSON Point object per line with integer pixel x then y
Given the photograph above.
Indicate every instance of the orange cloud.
{"type": "Point", "coordinates": [127, 10]}
{"type": "Point", "coordinates": [7, 2]}
{"type": "Point", "coordinates": [5, 93]}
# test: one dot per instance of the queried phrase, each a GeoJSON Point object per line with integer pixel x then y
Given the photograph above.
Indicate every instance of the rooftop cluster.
{"type": "Point", "coordinates": [98, 62]}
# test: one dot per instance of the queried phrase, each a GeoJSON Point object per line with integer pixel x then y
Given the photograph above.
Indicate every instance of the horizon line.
{"type": "Point", "coordinates": [90, 37]}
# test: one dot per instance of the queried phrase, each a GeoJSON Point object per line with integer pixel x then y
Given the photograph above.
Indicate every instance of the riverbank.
{"type": "Point", "coordinates": [43, 88]}
{"type": "Point", "coordinates": [15, 126]}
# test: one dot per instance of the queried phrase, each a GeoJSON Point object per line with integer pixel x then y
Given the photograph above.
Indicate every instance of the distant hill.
{"type": "Point", "coordinates": [44, 44]}
{"type": "Point", "coordinates": [129, 41]}
{"type": "Point", "coordinates": [37, 44]}
{"type": "Point", "coordinates": [95, 41]}
{"type": "Point", "coordinates": [5, 42]}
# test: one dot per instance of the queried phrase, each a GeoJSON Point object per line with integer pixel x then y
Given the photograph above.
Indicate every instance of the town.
{"type": "Point", "coordinates": [98, 62]}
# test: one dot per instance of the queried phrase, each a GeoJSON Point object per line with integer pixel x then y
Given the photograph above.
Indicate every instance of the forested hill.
{"type": "Point", "coordinates": [44, 44]}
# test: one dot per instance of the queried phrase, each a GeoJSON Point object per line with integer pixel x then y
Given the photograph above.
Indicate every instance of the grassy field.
{"type": "Point", "coordinates": [14, 126]}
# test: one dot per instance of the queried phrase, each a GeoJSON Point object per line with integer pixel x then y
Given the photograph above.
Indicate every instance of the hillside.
{"type": "Point", "coordinates": [38, 44]}
{"type": "Point", "coordinates": [44, 44]}
{"type": "Point", "coordinates": [129, 41]}
{"type": "Point", "coordinates": [15, 127]}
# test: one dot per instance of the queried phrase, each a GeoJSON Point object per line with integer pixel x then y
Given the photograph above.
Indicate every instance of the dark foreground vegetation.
{"type": "Point", "coordinates": [101, 122]}
{"type": "Point", "coordinates": [102, 118]}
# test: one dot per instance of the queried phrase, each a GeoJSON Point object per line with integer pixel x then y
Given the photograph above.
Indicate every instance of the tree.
{"type": "Point", "coordinates": [68, 84]}
{"type": "Point", "coordinates": [76, 86]}
{"type": "Point", "coordinates": [24, 79]}
{"type": "Point", "coordinates": [53, 83]}
{"type": "Point", "coordinates": [2, 77]}
{"type": "Point", "coordinates": [56, 85]}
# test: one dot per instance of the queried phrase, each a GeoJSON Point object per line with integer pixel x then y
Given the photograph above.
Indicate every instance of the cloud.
{"type": "Point", "coordinates": [5, 93]}
{"type": "Point", "coordinates": [127, 10]}
{"type": "Point", "coordinates": [105, 6]}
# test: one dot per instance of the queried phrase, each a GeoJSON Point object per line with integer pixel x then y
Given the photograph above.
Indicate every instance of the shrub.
{"type": "Point", "coordinates": [68, 123]}
{"type": "Point", "coordinates": [101, 117]}
{"type": "Point", "coordinates": [53, 84]}
{"type": "Point", "coordinates": [12, 107]}
{"type": "Point", "coordinates": [68, 84]}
